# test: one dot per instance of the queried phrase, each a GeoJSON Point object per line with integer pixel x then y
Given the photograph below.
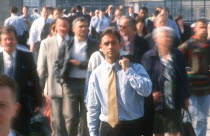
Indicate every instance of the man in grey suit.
{"type": "Point", "coordinates": [71, 68]}
{"type": "Point", "coordinates": [47, 56]}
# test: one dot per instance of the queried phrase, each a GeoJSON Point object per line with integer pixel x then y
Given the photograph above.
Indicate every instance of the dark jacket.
{"type": "Point", "coordinates": [152, 63]}
{"type": "Point", "coordinates": [62, 65]}
{"type": "Point", "coordinates": [140, 47]}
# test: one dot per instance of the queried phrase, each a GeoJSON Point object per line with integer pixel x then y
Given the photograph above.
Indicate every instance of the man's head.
{"type": "Point", "coordinates": [35, 10]}
{"type": "Point", "coordinates": [101, 13]}
{"type": "Point", "coordinates": [44, 12]}
{"type": "Point", "coordinates": [13, 10]}
{"type": "Point", "coordinates": [163, 37]}
{"type": "Point", "coordinates": [130, 10]}
{"type": "Point", "coordinates": [84, 10]}
{"type": "Point", "coordinates": [110, 9]}
{"type": "Point", "coordinates": [118, 13]}
{"type": "Point", "coordinates": [62, 26]}
{"type": "Point", "coordinates": [143, 12]}
{"type": "Point", "coordinates": [8, 39]}
{"type": "Point", "coordinates": [25, 10]}
{"type": "Point", "coordinates": [80, 27]}
{"type": "Point", "coordinates": [8, 103]}
{"type": "Point", "coordinates": [160, 21]}
{"type": "Point", "coordinates": [200, 29]}
{"type": "Point", "coordinates": [57, 13]}
{"type": "Point", "coordinates": [96, 12]}
{"type": "Point", "coordinates": [78, 8]}
{"type": "Point", "coordinates": [164, 12]}
{"type": "Point", "coordinates": [111, 44]}
{"type": "Point", "coordinates": [179, 20]}
{"type": "Point", "coordinates": [127, 26]}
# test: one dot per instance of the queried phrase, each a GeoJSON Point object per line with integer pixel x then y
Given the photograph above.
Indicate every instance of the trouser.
{"type": "Point", "coordinates": [74, 107]}
{"type": "Point", "coordinates": [199, 105]}
{"type": "Point", "coordinates": [57, 117]}
{"type": "Point", "coordinates": [124, 128]}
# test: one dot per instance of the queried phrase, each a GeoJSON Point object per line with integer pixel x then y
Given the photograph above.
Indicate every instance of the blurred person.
{"type": "Point", "coordinates": [50, 12]}
{"type": "Point", "coordinates": [19, 24]}
{"type": "Point", "coordinates": [196, 51]}
{"type": "Point", "coordinates": [143, 13]}
{"type": "Point", "coordinates": [184, 29]}
{"type": "Point", "coordinates": [141, 27]}
{"type": "Point", "coordinates": [166, 68]}
{"type": "Point", "coordinates": [110, 13]}
{"type": "Point", "coordinates": [70, 72]}
{"type": "Point", "coordinates": [133, 44]}
{"type": "Point", "coordinates": [122, 7]}
{"type": "Point", "coordinates": [35, 14]}
{"type": "Point", "coordinates": [131, 12]}
{"type": "Point", "coordinates": [20, 66]}
{"type": "Point", "coordinates": [9, 105]}
{"type": "Point", "coordinates": [56, 13]}
{"type": "Point", "coordinates": [170, 23]}
{"type": "Point", "coordinates": [26, 16]}
{"type": "Point", "coordinates": [115, 22]}
{"type": "Point", "coordinates": [91, 14]}
{"type": "Point", "coordinates": [64, 13]}
{"type": "Point", "coordinates": [72, 12]}
{"type": "Point", "coordinates": [39, 31]}
{"type": "Point", "coordinates": [85, 14]}
{"type": "Point", "coordinates": [107, 104]}
{"type": "Point", "coordinates": [92, 30]}
{"type": "Point", "coordinates": [100, 23]}
{"type": "Point", "coordinates": [45, 67]}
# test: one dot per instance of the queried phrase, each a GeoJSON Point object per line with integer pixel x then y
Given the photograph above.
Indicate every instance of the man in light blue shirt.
{"type": "Point", "coordinates": [132, 85]}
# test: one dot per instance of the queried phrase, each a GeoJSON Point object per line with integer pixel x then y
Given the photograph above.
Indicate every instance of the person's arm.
{"type": "Point", "coordinates": [93, 107]}
{"type": "Point", "coordinates": [138, 77]}
{"type": "Point", "coordinates": [33, 37]}
{"type": "Point", "coordinates": [42, 64]}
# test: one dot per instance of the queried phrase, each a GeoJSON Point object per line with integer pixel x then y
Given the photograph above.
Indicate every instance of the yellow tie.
{"type": "Point", "coordinates": [112, 99]}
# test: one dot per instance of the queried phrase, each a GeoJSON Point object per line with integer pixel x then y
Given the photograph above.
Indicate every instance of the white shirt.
{"type": "Point", "coordinates": [36, 30]}
{"type": "Point", "coordinates": [60, 39]}
{"type": "Point", "coordinates": [7, 60]}
{"type": "Point", "coordinates": [11, 133]}
{"type": "Point", "coordinates": [78, 52]}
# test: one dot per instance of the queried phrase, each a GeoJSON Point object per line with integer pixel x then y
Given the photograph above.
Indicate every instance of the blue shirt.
{"type": "Point", "coordinates": [132, 86]}
{"type": "Point", "coordinates": [18, 22]}
{"type": "Point", "coordinates": [100, 24]}
{"type": "Point", "coordinates": [173, 25]}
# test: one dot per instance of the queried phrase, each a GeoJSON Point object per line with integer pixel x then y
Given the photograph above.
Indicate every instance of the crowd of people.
{"type": "Point", "coordinates": [108, 73]}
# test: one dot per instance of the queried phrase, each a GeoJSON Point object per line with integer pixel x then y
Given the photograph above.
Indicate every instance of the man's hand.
{"type": "Point", "coordinates": [124, 63]}
{"type": "Point", "coordinates": [157, 96]}
{"type": "Point", "coordinates": [75, 62]}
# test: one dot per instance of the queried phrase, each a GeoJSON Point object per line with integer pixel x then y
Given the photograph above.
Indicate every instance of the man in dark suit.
{"type": "Point", "coordinates": [131, 12]}
{"type": "Point", "coordinates": [133, 44]}
{"type": "Point", "coordinates": [143, 13]}
{"type": "Point", "coordinates": [110, 13]}
{"type": "Point", "coordinates": [20, 66]}
{"type": "Point", "coordinates": [70, 71]}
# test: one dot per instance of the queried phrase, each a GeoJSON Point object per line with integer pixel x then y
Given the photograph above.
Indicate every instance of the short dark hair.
{"type": "Point", "coordinates": [61, 18]}
{"type": "Point", "coordinates": [58, 9]}
{"type": "Point", "coordinates": [79, 7]}
{"type": "Point", "coordinates": [26, 7]}
{"type": "Point", "coordinates": [144, 8]}
{"type": "Point", "coordinates": [131, 21]}
{"type": "Point", "coordinates": [177, 18]}
{"type": "Point", "coordinates": [111, 30]}
{"type": "Point", "coordinates": [79, 19]}
{"type": "Point", "coordinates": [14, 9]}
{"type": "Point", "coordinates": [7, 30]}
{"type": "Point", "coordinates": [6, 81]}
{"type": "Point", "coordinates": [36, 10]}
{"type": "Point", "coordinates": [156, 13]}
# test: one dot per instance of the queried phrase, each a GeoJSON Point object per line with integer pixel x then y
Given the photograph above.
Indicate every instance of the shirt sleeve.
{"type": "Point", "coordinates": [93, 107]}
{"type": "Point", "coordinates": [139, 79]}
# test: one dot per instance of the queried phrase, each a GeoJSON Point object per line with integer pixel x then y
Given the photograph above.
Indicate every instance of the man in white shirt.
{"type": "Point", "coordinates": [70, 71]}
{"type": "Point", "coordinates": [45, 67]}
{"type": "Point", "coordinates": [36, 30]}
{"type": "Point", "coordinates": [9, 105]}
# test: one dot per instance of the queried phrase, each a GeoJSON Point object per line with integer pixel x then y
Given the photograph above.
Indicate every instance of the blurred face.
{"type": "Point", "coordinates": [164, 40]}
{"type": "Point", "coordinates": [200, 30]}
{"type": "Point", "coordinates": [110, 45]}
{"type": "Point", "coordinates": [180, 22]}
{"type": "Point", "coordinates": [84, 11]}
{"type": "Point", "coordinates": [160, 21]}
{"type": "Point", "coordinates": [80, 29]}
{"type": "Point", "coordinates": [125, 28]}
{"type": "Point", "coordinates": [101, 13]}
{"type": "Point", "coordinates": [96, 12]}
{"type": "Point", "coordinates": [118, 14]}
{"type": "Point", "coordinates": [25, 11]}
{"type": "Point", "coordinates": [140, 26]}
{"type": "Point", "coordinates": [44, 13]}
{"type": "Point", "coordinates": [8, 42]}
{"type": "Point", "coordinates": [56, 14]}
{"type": "Point", "coordinates": [143, 14]}
{"type": "Point", "coordinates": [164, 13]}
{"type": "Point", "coordinates": [8, 109]}
{"type": "Point", "coordinates": [130, 10]}
{"type": "Point", "coordinates": [111, 10]}
{"type": "Point", "coordinates": [62, 27]}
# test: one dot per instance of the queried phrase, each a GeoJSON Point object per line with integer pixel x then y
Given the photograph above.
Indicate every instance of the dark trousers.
{"type": "Point", "coordinates": [124, 128]}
